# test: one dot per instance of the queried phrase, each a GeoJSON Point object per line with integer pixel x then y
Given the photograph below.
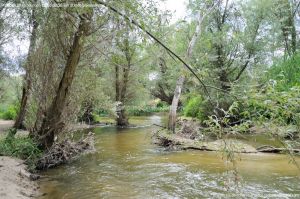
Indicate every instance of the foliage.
{"type": "Point", "coordinates": [235, 39]}
{"type": "Point", "coordinates": [10, 113]}
{"type": "Point", "coordinates": [146, 109]}
{"type": "Point", "coordinates": [20, 147]}
{"type": "Point", "coordinates": [282, 107]}
{"type": "Point", "coordinates": [96, 117]}
{"type": "Point", "coordinates": [285, 74]}
{"type": "Point", "coordinates": [9, 89]}
{"type": "Point", "coordinates": [194, 107]}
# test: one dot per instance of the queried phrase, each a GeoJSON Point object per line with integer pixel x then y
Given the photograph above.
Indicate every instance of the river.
{"type": "Point", "coordinates": [127, 165]}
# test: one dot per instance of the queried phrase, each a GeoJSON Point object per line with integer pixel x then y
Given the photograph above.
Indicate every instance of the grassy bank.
{"type": "Point", "coordinates": [20, 146]}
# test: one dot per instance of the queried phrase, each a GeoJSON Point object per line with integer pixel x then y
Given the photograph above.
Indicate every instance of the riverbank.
{"type": "Point", "coordinates": [15, 180]}
{"type": "Point", "coordinates": [191, 135]}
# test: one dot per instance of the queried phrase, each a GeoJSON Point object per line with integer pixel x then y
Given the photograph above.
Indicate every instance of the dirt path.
{"type": "Point", "coordinates": [5, 124]}
{"type": "Point", "coordinates": [15, 181]}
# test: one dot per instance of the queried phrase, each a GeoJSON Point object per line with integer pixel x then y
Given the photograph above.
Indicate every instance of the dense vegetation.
{"type": "Point", "coordinates": [232, 64]}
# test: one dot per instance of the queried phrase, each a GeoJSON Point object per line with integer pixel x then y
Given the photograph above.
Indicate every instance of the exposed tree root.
{"type": "Point", "coordinates": [63, 152]}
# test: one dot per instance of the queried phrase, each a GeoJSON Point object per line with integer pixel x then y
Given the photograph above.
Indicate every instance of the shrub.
{"type": "Point", "coordinates": [146, 110]}
{"type": "Point", "coordinates": [195, 108]}
{"type": "Point", "coordinates": [285, 74]}
{"type": "Point", "coordinates": [282, 107]}
{"type": "Point", "coordinates": [21, 147]}
{"type": "Point", "coordinates": [96, 117]}
{"type": "Point", "coordinates": [161, 104]}
{"type": "Point", "coordinates": [10, 113]}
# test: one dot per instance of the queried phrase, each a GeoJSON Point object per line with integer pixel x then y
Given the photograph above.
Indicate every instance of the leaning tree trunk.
{"type": "Point", "coordinates": [52, 124]}
{"type": "Point", "coordinates": [19, 123]}
{"type": "Point", "coordinates": [181, 79]}
{"type": "Point", "coordinates": [173, 108]}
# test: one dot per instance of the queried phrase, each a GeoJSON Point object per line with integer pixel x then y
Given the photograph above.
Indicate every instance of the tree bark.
{"type": "Point", "coordinates": [122, 119]}
{"type": "Point", "coordinates": [175, 101]}
{"type": "Point", "coordinates": [121, 85]}
{"type": "Point", "coordinates": [19, 123]}
{"type": "Point", "coordinates": [120, 99]}
{"type": "Point", "coordinates": [52, 124]}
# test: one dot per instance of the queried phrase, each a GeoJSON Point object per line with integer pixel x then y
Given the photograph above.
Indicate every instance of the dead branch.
{"type": "Point", "coordinates": [65, 151]}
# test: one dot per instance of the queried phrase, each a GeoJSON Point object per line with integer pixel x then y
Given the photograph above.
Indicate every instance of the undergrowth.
{"type": "Point", "coordinates": [20, 147]}
{"type": "Point", "coordinates": [9, 113]}
{"type": "Point", "coordinates": [145, 110]}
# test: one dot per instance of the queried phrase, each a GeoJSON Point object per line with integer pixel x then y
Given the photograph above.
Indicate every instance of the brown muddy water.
{"type": "Point", "coordinates": [128, 165]}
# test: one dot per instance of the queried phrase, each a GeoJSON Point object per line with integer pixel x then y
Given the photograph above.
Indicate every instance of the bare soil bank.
{"type": "Point", "coordinates": [15, 180]}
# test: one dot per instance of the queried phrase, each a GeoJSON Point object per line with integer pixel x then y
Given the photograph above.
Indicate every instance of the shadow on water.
{"type": "Point", "coordinates": [127, 165]}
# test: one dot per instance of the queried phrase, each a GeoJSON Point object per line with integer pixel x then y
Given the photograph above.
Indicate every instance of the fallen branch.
{"type": "Point", "coordinates": [159, 126]}
{"type": "Point", "coordinates": [271, 149]}
{"type": "Point", "coordinates": [63, 152]}
{"type": "Point", "coordinates": [179, 142]}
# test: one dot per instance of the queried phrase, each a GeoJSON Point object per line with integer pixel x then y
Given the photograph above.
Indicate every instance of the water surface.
{"type": "Point", "coordinates": [127, 165]}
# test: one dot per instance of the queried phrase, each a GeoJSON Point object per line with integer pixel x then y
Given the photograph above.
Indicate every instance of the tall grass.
{"type": "Point", "coordinates": [20, 147]}
{"type": "Point", "coordinates": [285, 73]}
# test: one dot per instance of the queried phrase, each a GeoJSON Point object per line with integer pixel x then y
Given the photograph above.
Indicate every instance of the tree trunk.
{"type": "Point", "coordinates": [121, 85]}
{"type": "Point", "coordinates": [19, 123]}
{"type": "Point", "coordinates": [293, 33]}
{"type": "Point", "coordinates": [181, 79]}
{"type": "Point", "coordinates": [294, 38]}
{"type": "Point", "coordinates": [117, 83]}
{"type": "Point", "coordinates": [87, 116]}
{"type": "Point", "coordinates": [173, 108]}
{"type": "Point", "coordinates": [52, 124]}
{"type": "Point", "coordinates": [121, 119]}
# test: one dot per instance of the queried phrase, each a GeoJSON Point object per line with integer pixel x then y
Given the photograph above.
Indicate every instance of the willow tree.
{"type": "Point", "coordinates": [33, 22]}
{"type": "Point", "coordinates": [163, 89]}
{"type": "Point", "coordinates": [164, 71]}
{"type": "Point", "coordinates": [52, 123]}
{"type": "Point", "coordinates": [123, 58]}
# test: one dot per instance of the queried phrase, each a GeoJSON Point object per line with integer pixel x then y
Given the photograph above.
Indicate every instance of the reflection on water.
{"type": "Point", "coordinates": [127, 165]}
